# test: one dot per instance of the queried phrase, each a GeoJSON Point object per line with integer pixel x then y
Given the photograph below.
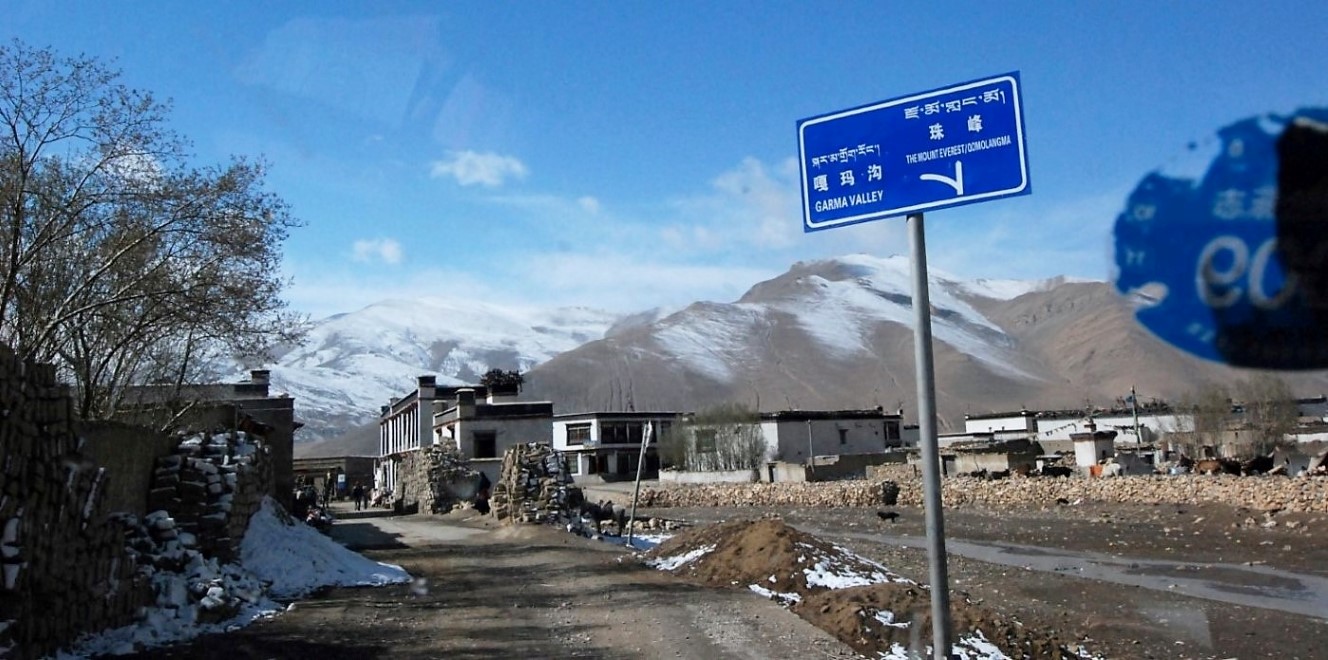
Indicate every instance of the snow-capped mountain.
{"type": "Point", "coordinates": [829, 334]}
{"type": "Point", "coordinates": [353, 363]}
{"type": "Point", "coordinates": [838, 333]}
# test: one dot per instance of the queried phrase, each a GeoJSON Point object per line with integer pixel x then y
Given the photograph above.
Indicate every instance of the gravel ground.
{"type": "Point", "coordinates": [519, 592]}
{"type": "Point", "coordinates": [491, 591]}
{"type": "Point", "coordinates": [1238, 549]}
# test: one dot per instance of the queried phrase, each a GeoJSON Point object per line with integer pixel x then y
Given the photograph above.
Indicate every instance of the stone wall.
{"type": "Point", "coordinates": [129, 453]}
{"type": "Point", "coordinates": [76, 550]}
{"type": "Point", "coordinates": [211, 486]}
{"type": "Point", "coordinates": [536, 486]}
{"type": "Point", "coordinates": [709, 476]}
{"type": "Point", "coordinates": [900, 472]}
{"type": "Point", "coordinates": [1305, 494]}
{"type": "Point", "coordinates": [435, 479]}
{"type": "Point", "coordinates": [64, 566]}
{"type": "Point", "coordinates": [851, 466]}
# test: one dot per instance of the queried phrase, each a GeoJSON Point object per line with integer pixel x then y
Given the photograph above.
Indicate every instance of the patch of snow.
{"type": "Point", "coordinates": [886, 617]}
{"type": "Point", "coordinates": [972, 647]}
{"type": "Point", "coordinates": [712, 337]}
{"type": "Point", "coordinates": [782, 597]}
{"type": "Point", "coordinates": [279, 559]}
{"type": "Point", "coordinates": [297, 559]}
{"type": "Point", "coordinates": [1011, 289]}
{"type": "Point", "coordinates": [648, 541]}
{"type": "Point", "coordinates": [677, 561]}
{"type": "Point", "coordinates": [826, 574]}
{"type": "Point", "coordinates": [840, 313]}
{"type": "Point", "coordinates": [976, 647]}
{"type": "Point", "coordinates": [841, 569]}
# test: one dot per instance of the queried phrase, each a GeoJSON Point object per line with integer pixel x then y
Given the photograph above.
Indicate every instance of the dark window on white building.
{"type": "Point", "coordinates": [486, 444]}
{"type": "Point", "coordinates": [578, 434]}
{"type": "Point", "coordinates": [620, 433]}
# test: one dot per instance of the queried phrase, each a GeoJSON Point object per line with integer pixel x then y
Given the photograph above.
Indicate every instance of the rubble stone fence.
{"type": "Point", "coordinates": [211, 486]}
{"type": "Point", "coordinates": [535, 486]}
{"type": "Point", "coordinates": [63, 569]}
{"type": "Point", "coordinates": [68, 563]}
{"type": "Point", "coordinates": [1263, 493]}
{"type": "Point", "coordinates": [428, 477]}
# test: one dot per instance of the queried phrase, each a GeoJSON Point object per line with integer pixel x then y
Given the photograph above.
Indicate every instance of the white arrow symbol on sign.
{"type": "Point", "coordinates": [957, 182]}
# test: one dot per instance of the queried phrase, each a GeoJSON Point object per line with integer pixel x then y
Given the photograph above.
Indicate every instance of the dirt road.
{"type": "Point", "coordinates": [487, 591]}
{"type": "Point", "coordinates": [1168, 582]}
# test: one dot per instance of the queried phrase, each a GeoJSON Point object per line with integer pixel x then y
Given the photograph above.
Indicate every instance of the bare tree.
{"type": "Point", "coordinates": [1210, 407]}
{"type": "Point", "coordinates": [120, 261]}
{"type": "Point", "coordinates": [1268, 410]}
{"type": "Point", "coordinates": [723, 437]}
{"type": "Point", "coordinates": [1253, 415]}
{"type": "Point", "coordinates": [673, 447]}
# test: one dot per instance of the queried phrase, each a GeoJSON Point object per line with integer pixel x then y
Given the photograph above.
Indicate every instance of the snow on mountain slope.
{"type": "Point", "coordinates": [830, 311]}
{"type": "Point", "coordinates": [710, 338]}
{"type": "Point", "coordinates": [1011, 289]}
{"type": "Point", "coordinates": [352, 363]}
{"type": "Point", "coordinates": [839, 302]}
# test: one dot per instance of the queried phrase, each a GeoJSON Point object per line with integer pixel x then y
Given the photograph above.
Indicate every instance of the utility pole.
{"type": "Point", "coordinates": [811, 463]}
{"type": "Point", "coordinates": [1134, 408]}
{"type": "Point", "coordinates": [646, 431]}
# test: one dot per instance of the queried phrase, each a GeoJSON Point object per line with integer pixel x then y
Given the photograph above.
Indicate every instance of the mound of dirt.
{"type": "Point", "coordinates": [859, 601]}
{"type": "Point", "coordinates": [890, 618]}
{"type": "Point", "coordinates": [768, 557]}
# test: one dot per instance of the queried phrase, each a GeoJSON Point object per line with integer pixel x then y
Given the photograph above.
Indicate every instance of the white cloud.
{"type": "Point", "coordinates": [714, 245]}
{"type": "Point", "coordinates": [386, 250]}
{"type": "Point", "coordinates": [319, 293]}
{"type": "Point", "coordinates": [630, 282]}
{"type": "Point", "coordinates": [1026, 238]}
{"type": "Point", "coordinates": [471, 167]}
{"type": "Point", "coordinates": [755, 209]}
{"type": "Point", "coordinates": [617, 281]}
{"type": "Point", "coordinates": [365, 66]}
{"type": "Point", "coordinates": [589, 204]}
{"type": "Point", "coordinates": [749, 205]}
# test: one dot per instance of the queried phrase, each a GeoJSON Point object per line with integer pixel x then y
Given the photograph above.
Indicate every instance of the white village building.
{"type": "Point", "coordinates": [607, 445]}
{"type": "Point", "coordinates": [794, 436]}
{"type": "Point", "coordinates": [482, 425]}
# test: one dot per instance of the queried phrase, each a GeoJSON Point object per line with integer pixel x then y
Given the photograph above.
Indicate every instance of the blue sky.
{"type": "Point", "coordinates": [629, 155]}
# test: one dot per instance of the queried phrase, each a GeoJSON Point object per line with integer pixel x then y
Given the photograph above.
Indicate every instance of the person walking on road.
{"type": "Point", "coordinates": [358, 495]}
{"type": "Point", "coordinates": [329, 482]}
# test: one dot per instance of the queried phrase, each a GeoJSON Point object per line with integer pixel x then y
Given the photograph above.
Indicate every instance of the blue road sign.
{"type": "Point", "coordinates": [1231, 265]}
{"type": "Point", "coordinates": [952, 146]}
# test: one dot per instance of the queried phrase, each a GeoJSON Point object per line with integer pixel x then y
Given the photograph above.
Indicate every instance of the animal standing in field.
{"type": "Point", "coordinates": [1055, 471]}
{"type": "Point", "coordinates": [604, 510]}
{"type": "Point", "coordinates": [1258, 465]}
{"type": "Point", "coordinates": [889, 516]}
{"type": "Point", "coordinates": [1216, 466]}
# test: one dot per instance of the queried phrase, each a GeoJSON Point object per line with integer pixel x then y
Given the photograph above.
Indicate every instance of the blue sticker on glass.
{"type": "Point", "coordinates": [1232, 265]}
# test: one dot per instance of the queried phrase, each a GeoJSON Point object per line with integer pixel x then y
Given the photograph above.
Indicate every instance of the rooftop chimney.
{"type": "Point", "coordinates": [260, 378]}
{"type": "Point", "coordinates": [465, 397]}
{"type": "Point", "coordinates": [428, 387]}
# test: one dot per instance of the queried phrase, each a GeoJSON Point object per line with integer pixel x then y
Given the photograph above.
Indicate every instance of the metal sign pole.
{"type": "Point", "coordinates": [931, 459]}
